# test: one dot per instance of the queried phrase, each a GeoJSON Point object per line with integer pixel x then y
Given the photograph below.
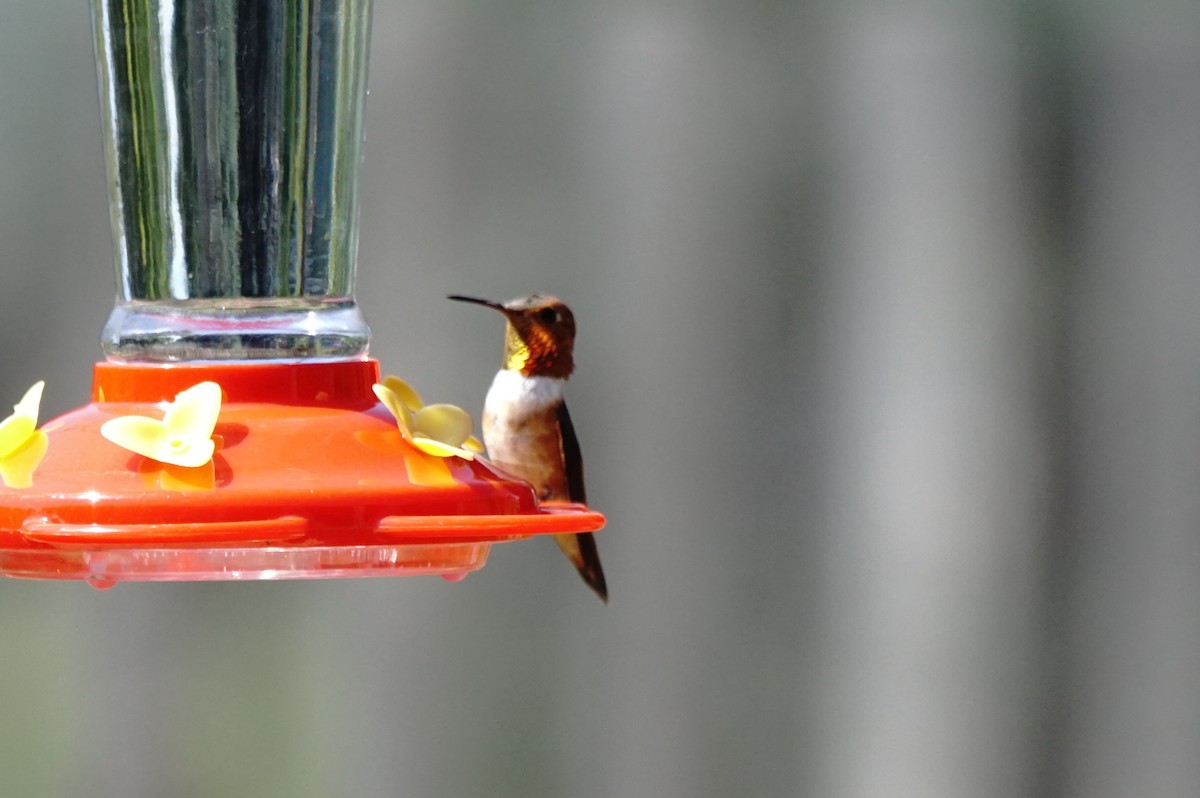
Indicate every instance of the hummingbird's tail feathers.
{"type": "Point", "coordinates": [582, 552]}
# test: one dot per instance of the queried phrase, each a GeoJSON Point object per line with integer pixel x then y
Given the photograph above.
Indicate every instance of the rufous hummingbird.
{"type": "Point", "coordinates": [526, 427]}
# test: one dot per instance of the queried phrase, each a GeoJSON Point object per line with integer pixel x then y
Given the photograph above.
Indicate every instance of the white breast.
{"type": "Point", "coordinates": [514, 393]}
{"type": "Point", "coordinates": [521, 432]}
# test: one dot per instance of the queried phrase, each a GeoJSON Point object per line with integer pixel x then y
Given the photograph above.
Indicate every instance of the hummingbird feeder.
{"type": "Point", "coordinates": [238, 428]}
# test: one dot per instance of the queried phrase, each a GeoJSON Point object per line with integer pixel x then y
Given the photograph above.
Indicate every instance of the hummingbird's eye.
{"type": "Point", "coordinates": [547, 315]}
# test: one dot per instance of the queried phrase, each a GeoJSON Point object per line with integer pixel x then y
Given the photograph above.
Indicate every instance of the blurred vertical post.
{"type": "Point", "coordinates": [1135, 687]}
{"type": "Point", "coordinates": [932, 489]}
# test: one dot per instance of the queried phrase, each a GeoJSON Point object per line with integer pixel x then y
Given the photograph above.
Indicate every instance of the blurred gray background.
{"type": "Point", "coordinates": [889, 384]}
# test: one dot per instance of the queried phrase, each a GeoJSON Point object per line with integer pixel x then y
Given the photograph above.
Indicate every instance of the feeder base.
{"type": "Point", "coordinates": [310, 479]}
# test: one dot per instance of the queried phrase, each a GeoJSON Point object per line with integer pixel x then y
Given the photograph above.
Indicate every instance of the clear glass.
{"type": "Point", "coordinates": [233, 135]}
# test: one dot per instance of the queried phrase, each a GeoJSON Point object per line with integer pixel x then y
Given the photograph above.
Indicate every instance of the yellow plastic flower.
{"type": "Point", "coordinates": [22, 444]}
{"type": "Point", "coordinates": [184, 435]}
{"type": "Point", "coordinates": [441, 430]}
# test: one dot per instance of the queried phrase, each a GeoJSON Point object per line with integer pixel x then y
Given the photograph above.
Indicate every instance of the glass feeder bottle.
{"type": "Point", "coordinates": [233, 135]}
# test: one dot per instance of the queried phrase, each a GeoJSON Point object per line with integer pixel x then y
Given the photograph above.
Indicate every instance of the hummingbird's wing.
{"type": "Point", "coordinates": [580, 548]}
{"type": "Point", "coordinates": [572, 456]}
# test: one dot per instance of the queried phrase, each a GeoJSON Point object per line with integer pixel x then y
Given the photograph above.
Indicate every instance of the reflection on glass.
{"type": "Point", "coordinates": [233, 132]}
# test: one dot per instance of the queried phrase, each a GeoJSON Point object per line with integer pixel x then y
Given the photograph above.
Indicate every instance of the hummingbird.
{"type": "Point", "coordinates": [526, 427]}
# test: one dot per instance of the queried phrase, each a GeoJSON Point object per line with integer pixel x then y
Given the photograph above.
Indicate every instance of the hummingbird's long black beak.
{"type": "Point", "coordinates": [487, 303]}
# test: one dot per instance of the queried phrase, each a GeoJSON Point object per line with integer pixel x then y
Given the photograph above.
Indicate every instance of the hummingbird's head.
{"type": "Point", "coordinates": [540, 336]}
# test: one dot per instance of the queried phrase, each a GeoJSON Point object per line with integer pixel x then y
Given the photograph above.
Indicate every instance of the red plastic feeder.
{"type": "Point", "coordinates": [311, 478]}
